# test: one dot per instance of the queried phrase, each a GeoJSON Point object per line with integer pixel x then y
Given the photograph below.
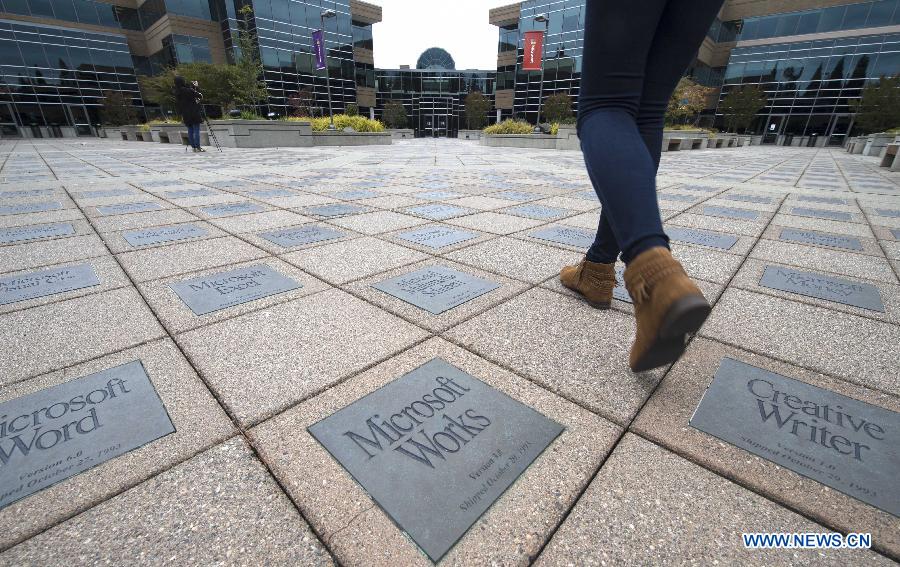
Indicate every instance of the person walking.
{"type": "Point", "coordinates": [187, 101]}
{"type": "Point", "coordinates": [632, 60]}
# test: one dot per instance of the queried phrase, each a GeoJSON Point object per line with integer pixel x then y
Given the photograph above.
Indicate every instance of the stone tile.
{"type": "Point", "coordinates": [859, 350]}
{"type": "Point", "coordinates": [824, 260]}
{"type": "Point", "coordinates": [717, 224]}
{"type": "Point", "coordinates": [665, 420]}
{"type": "Point", "coordinates": [132, 221]}
{"type": "Point", "coordinates": [163, 261]}
{"type": "Point", "coordinates": [117, 243]}
{"type": "Point", "coordinates": [221, 506]}
{"type": "Point", "coordinates": [565, 346]}
{"type": "Point", "coordinates": [395, 237]}
{"type": "Point", "coordinates": [78, 227]}
{"type": "Point", "coordinates": [61, 215]}
{"type": "Point", "coordinates": [349, 260]}
{"type": "Point", "coordinates": [265, 361]}
{"type": "Point", "coordinates": [824, 225]}
{"type": "Point", "coordinates": [523, 260]}
{"type": "Point", "coordinates": [644, 502]}
{"type": "Point", "coordinates": [56, 335]}
{"type": "Point", "coordinates": [424, 319]}
{"type": "Point", "coordinates": [496, 223]}
{"type": "Point", "coordinates": [479, 202]}
{"type": "Point", "coordinates": [749, 276]}
{"type": "Point", "coordinates": [34, 254]}
{"type": "Point", "coordinates": [510, 532]}
{"type": "Point", "coordinates": [869, 245]}
{"type": "Point", "coordinates": [177, 317]}
{"type": "Point", "coordinates": [258, 222]}
{"type": "Point", "coordinates": [106, 268]}
{"type": "Point", "coordinates": [198, 419]}
{"type": "Point", "coordinates": [377, 222]}
{"type": "Point", "coordinates": [705, 263]}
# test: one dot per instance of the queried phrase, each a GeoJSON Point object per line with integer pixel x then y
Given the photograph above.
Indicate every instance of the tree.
{"type": "Point", "coordinates": [558, 108]}
{"type": "Point", "coordinates": [117, 110]}
{"type": "Point", "coordinates": [351, 110]}
{"type": "Point", "coordinates": [250, 89]}
{"type": "Point", "coordinates": [878, 108]}
{"type": "Point", "coordinates": [687, 100]}
{"type": "Point", "coordinates": [217, 82]}
{"type": "Point", "coordinates": [740, 106]}
{"type": "Point", "coordinates": [301, 103]}
{"type": "Point", "coordinates": [477, 107]}
{"type": "Point", "coordinates": [159, 89]}
{"type": "Point", "coordinates": [394, 115]}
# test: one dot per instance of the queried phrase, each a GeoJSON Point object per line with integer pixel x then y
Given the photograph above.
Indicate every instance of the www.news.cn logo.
{"type": "Point", "coordinates": [807, 541]}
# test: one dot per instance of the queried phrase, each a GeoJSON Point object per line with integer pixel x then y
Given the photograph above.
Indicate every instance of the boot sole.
{"type": "Point", "coordinates": [595, 304]}
{"type": "Point", "coordinates": [685, 316]}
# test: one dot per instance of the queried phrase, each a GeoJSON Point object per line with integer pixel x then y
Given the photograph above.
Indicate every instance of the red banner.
{"type": "Point", "coordinates": [534, 48]}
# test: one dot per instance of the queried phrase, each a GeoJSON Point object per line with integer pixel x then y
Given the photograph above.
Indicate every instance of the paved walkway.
{"type": "Point", "coordinates": [238, 479]}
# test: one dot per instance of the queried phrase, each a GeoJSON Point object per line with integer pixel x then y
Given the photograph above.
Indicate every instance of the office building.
{"type": "Point", "coordinates": [433, 94]}
{"type": "Point", "coordinates": [58, 57]}
{"type": "Point", "coordinates": [811, 57]}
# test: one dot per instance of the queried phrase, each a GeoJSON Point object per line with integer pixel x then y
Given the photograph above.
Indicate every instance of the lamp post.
{"type": "Point", "coordinates": [545, 19]}
{"type": "Point", "coordinates": [322, 16]}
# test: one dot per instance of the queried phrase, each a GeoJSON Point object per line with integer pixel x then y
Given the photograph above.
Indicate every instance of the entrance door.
{"type": "Point", "coordinates": [773, 129]}
{"type": "Point", "coordinates": [440, 125]}
{"type": "Point", "coordinates": [79, 119]}
{"type": "Point", "coordinates": [8, 126]}
{"type": "Point", "coordinates": [839, 128]}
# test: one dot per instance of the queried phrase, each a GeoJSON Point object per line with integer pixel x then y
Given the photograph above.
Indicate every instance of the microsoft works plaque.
{"type": "Point", "coordinates": [851, 446]}
{"type": "Point", "coordinates": [435, 448]}
{"type": "Point", "coordinates": [51, 435]}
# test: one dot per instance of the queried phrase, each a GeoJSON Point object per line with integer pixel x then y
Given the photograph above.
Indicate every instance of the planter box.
{"type": "Point", "coordinates": [167, 133]}
{"type": "Point", "coordinates": [352, 138]}
{"type": "Point", "coordinates": [402, 133]}
{"type": "Point", "coordinates": [530, 141]}
{"type": "Point", "coordinates": [876, 144]}
{"type": "Point", "coordinates": [567, 138]}
{"type": "Point", "coordinates": [686, 140]}
{"type": "Point", "coordinates": [128, 132]}
{"type": "Point", "coordinates": [469, 134]}
{"type": "Point", "coordinates": [143, 136]}
{"type": "Point", "coordinates": [262, 133]}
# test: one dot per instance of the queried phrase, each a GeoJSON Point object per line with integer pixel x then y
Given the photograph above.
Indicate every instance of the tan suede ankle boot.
{"type": "Point", "coordinates": [667, 306]}
{"type": "Point", "coordinates": [593, 280]}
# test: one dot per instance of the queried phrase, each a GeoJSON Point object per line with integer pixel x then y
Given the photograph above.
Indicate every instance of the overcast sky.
{"type": "Point", "coordinates": [409, 27]}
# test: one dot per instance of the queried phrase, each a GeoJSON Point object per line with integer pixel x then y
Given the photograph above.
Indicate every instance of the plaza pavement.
{"type": "Point", "coordinates": [241, 481]}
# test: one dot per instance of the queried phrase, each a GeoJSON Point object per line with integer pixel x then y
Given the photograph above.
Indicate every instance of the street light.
{"type": "Point", "coordinates": [322, 16]}
{"type": "Point", "coordinates": [544, 19]}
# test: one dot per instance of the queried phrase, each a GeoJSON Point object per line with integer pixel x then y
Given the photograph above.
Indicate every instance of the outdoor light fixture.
{"type": "Point", "coordinates": [543, 19]}
{"type": "Point", "coordinates": [322, 16]}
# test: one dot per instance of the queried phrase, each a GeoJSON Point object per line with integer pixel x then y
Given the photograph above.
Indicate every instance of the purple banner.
{"type": "Point", "coordinates": [319, 49]}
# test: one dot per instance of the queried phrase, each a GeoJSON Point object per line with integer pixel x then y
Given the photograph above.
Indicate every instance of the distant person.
{"type": "Point", "coordinates": [632, 60]}
{"type": "Point", "coordinates": [187, 101]}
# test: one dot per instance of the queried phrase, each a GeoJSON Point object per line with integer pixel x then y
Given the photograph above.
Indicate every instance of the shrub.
{"type": "Point", "coordinates": [510, 127]}
{"type": "Point", "coordinates": [341, 121]}
{"type": "Point", "coordinates": [351, 110]}
{"type": "Point", "coordinates": [477, 107]}
{"type": "Point", "coordinates": [558, 108]}
{"type": "Point", "coordinates": [394, 114]}
{"type": "Point", "coordinates": [117, 109]}
{"type": "Point", "coordinates": [250, 115]}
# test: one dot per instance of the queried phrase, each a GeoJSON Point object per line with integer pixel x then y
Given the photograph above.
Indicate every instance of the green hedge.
{"type": "Point", "coordinates": [341, 121]}
{"type": "Point", "coordinates": [510, 127]}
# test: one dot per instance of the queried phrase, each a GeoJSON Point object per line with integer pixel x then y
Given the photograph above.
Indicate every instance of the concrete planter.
{"type": "Point", "coordinates": [530, 141]}
{"type": "Point", "coordinates": [876, 144]}
{"type": "Point", "coordinates": [127, 132]}
{"type": "Point", "coordinates": [262, 133]}
{"type": "Point", "coordinates": [401, 133]}
{"type": "Point", "coordinates": [675, 140]}
{"type": "Point", "coordinates": [352, 138]}
{"type": "Point", "coordinates": [143, 135]}
{"type": "Point", "coordinates": [167, 133]}
{"type": "Point", "coordinates": [469, 134]}
{"type": "Point", "coordinates": [567, 138]}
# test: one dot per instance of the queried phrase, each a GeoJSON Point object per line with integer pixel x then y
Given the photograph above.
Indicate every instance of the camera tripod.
{"type": "Point", "coordinates": [209, 129]}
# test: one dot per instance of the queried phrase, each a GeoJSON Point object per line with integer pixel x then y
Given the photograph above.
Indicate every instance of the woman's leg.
{"type": "Point", "coordinates": [681, 30]}
{"type": "Point", "coordinates": [617, 42]}
{"type": "Point", "coordinates": [194, 135]}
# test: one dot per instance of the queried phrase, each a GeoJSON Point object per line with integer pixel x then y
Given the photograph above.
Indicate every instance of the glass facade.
{"type": "Point", "coordinates": [562, 54]}
{"type": "Point", "coordinates": [847, 17]}
{"type": "Point", "coordinates": [434, 99]}
{"type": "Point", "coordinates": [284, 29]}
{"type": "Point", "coordinates": [810, 84]}
{"type": "Point", "coordinates": [55, 77]}
{"type": "Point", "coordinates": [105, 14]}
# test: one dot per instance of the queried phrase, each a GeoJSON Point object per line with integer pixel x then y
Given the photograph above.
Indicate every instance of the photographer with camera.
{"type": "Point", "coordinates": [187, 101]}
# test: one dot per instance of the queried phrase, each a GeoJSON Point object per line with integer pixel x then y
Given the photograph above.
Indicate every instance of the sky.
{"type": "Point", "coordinates": [409, 27]}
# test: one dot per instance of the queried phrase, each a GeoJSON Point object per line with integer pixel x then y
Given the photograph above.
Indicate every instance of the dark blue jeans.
{"type": "Point", "coordinates": [634, 54]}
{"type": "Point", "coordinates": [194, 135]}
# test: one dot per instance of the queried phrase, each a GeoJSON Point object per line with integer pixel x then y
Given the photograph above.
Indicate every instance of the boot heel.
{"type": "Point", "coordinates": [598, 304]}
{"type": "Point", "coordinates": [685, 316]}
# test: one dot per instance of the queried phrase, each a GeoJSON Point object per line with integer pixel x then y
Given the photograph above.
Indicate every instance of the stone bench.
{"type": "Point", "coordinates": [890, 157]}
